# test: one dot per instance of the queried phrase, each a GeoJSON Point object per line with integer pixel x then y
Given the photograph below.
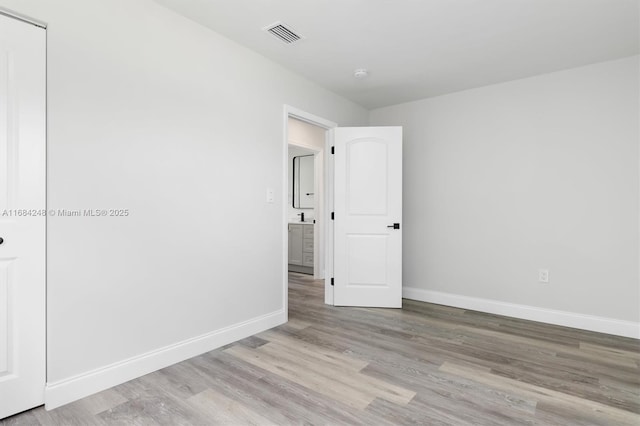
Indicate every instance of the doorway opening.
{"type": "Point", "coordinates": [308, 182]}
{"type": "Point", "coordinates": [304, 200]}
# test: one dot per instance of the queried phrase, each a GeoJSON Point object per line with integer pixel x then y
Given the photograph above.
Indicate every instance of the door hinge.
{"type": "Point", "coordinates": [332, 216]}
{"type": "Point", "coordinates": [331, 281]}
{"type": "Point", "coordinates": [333, 149]}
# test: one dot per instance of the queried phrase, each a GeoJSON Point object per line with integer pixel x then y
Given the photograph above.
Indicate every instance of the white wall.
{"type": "Point", "coordinates": [536, 173]}
{"type": "Point", "coordinates": [305, 134]}
{"type": "Point", "coordinates": [150, 112]}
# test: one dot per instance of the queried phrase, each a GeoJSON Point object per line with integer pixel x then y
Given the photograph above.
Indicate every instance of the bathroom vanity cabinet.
{"type": "Point", "coordinates": [301, 247]}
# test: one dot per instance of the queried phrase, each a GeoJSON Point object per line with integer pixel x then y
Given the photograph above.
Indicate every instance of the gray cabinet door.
{"type": "Point", "coordinates": [295, 244]}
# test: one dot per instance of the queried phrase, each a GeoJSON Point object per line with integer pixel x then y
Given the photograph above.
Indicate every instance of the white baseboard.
{"type": "Point", "coordinates": [549, 316]}
{"type": "Point", "coordinates": [83, 385]}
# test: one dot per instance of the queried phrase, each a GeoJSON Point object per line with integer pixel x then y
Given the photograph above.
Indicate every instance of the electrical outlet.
{"type": "Point", "coordinates": [543, 275]}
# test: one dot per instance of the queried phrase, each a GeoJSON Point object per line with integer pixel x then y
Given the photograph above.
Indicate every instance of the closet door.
{"type": "Point", "coordinates": [22, 216]}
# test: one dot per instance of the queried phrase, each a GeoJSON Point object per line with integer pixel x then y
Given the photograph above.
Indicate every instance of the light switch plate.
{"type": "Point", "coordinates": [543, 275]}
{"type": "Point", "coordinates": [270, 195]}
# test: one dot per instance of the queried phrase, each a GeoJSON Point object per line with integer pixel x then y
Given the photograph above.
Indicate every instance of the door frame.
{"type": "Point", "coordinates": [24, 18]}
{"type": "Point", "coordinates": [292, 112]}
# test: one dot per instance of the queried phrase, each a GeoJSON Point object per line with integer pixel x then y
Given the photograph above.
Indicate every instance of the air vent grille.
{"type": "Point", "coordinates": [283, 33]}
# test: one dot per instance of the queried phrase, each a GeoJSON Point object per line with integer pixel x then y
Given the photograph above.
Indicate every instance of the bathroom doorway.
{"type": "Point", "coordinates": [305, 197]}
{"type": "Point", "coordinates": [306, 150]}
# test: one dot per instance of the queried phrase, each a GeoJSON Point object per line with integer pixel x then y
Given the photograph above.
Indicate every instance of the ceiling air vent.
{"type": "Point", "coordinates": [282, 33]}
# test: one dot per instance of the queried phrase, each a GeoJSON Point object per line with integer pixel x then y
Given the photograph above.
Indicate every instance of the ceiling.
{"type": "Point", "coordinates": [415, 49]}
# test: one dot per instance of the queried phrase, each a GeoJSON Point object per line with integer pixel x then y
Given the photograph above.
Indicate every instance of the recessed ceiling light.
{"type": "Point", "coordinates": [361, 73]}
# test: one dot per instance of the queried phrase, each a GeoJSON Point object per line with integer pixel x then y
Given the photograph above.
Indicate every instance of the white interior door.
{"type": "Point", "coordinates": [22, 219]}
{"type": "Point", "coordinates": [368, 215]}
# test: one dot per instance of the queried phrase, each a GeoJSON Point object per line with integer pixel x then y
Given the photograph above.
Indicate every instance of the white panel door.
{"type": "Point", "coordinates": [22, 219]}
{"type": "Point", "coordinates": [368, 215]}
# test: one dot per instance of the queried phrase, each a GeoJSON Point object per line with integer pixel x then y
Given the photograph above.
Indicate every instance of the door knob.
{"type": "Point", "coordinates": [1, 240]}
{"type": "Point", "coordinates": [394, 226]}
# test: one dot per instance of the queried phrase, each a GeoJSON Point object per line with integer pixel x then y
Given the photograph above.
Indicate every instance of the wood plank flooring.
{"type": "Point", "coordinates": [425, 364]}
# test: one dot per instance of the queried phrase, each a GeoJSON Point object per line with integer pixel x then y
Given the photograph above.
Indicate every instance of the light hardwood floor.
{"type": "Point", "coordinates": [425, 364]}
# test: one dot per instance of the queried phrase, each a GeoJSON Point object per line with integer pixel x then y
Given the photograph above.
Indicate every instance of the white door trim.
{"type": "Point", "coordinates": [299, 114]}
{"type": "Point", "coordinates": [20, 17]}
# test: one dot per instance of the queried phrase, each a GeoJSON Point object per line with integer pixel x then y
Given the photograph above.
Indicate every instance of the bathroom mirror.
{"type": "Point", "coordinates": [303, 175]}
